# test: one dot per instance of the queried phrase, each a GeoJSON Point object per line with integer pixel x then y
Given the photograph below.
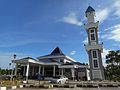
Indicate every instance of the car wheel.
{"type": "Point", "coordinates": [59, 82]}
{"type": "Point", "coordinates": [66, 81]}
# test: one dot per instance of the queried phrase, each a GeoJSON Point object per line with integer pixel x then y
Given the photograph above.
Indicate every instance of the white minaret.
{"type": "Point", "coordinates": [93, 47]}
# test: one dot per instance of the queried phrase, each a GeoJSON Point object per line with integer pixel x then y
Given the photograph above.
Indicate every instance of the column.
{"type": "Point", "coordinates": [16, 66]}
{"type": "Point", "coordinates": [62, 71]}
{"type": "Point", "coordinates": [87, 74]}
{"type": "Point", "coordinates": [59, 71]}
{"type": "Point", "coordinates": [27, 72]}
{"type": "Point", "coordinates": [73, 73]}
{"type": "Point", "coordinates": [33, 69]}
{"type": "Point", "coordinates": [54, 71]}
{"type": "Point", "coordinates": [39, 69]}
{"type": "Point", "coordinates": [43, 71]}
{"type": "Point", "coordinates": [24, 70]}
{"type": "Point", "coordinates": [12, 71]}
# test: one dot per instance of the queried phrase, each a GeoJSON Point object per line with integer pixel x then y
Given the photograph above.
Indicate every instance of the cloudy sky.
{"type": "Point", "coordinates": [35, 27]}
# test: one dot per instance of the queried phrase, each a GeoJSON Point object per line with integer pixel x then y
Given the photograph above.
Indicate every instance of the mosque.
{"type": "Point", "coordinates": [57, 63]}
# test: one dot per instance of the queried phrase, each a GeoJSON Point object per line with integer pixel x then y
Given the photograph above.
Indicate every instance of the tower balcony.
{"type": "Point", "coordinates": [97, 46]}
{"type": "Point", "coordinates": [91, 25]}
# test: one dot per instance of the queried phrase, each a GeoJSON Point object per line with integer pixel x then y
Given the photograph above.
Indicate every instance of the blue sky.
{"type": "Point", "coordinates": [35, 27]}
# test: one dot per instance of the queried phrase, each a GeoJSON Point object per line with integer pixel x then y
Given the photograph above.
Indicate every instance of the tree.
{"type": "Point", "coordinates": [112, 70]}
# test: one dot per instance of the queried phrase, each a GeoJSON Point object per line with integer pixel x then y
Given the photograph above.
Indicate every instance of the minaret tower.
{"type": "Point", "coordinates": [93, 47]}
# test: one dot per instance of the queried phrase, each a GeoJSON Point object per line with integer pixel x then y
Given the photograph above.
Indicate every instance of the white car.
{"type": "Point", "coordinates": [59, 79]}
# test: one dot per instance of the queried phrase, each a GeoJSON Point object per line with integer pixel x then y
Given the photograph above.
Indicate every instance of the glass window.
{"type": "Point", "coordinates": [92, 34]}
{"type": "Point", "coordinates": [94, 54]}
{"type": "Point", "coordinates": [91, 31]}
{"type": "Point", "coordinates": [95, 63]}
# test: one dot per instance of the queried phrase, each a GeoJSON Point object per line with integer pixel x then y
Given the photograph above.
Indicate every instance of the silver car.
{"type": "Point", "coordinates": [59, 79]}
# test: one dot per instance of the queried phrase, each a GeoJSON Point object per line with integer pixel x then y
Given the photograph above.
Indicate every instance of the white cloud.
{"type": "Point", "coordinates": [112, 33]}
{"type": "Point", "coordinates": [102, 14]}
{"type": "Point", "coordinates": [72, 19]}
{"type": "Point", "coordinates": [116, 6]}
{"type": "Point", "coordinates": [105, 52]}
{"type": "Point", "coordinates": [111, 10]}
{"type": "Point", "coordinates": [114, 9]}
{"type": "Point", "coordinates": [85, 41]}
{"type": "Point", "coordinates": [72, 52]}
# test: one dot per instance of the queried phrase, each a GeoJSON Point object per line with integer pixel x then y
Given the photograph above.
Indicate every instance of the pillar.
{"type": "Point", "coordinates": [54, 71]}
{"type": "Point", "coordinates": [24, 70]}
{"type": "Point", "coordinates": [39, 69]}
{"type": "Point", "coordinates": [16, 69]}
{"type": "Point", "coordinates": [12, 71]}
{"type": "Point", "coordinates": [43, 71]}
{"type": "Point", "coordinates": [27, 72]}
{"type": "Point", "coordinates": [59, 71]}
{"type": "Point", "coordinates": [73, 73]}
{"type": "Point", "coordinates": [33, 70]}
{"type": "Point", "coordinates": [88, 74]}
{"type": "Point", "coordinates": [62, 71]}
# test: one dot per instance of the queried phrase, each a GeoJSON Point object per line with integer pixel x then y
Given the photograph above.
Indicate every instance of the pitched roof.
{"type": "Point", "coordinates": [74, 63]}
{"type": "Point", "coordinates": [57, 51]}
{"type": "Point", "coordinates": [29, 58]}
{"type": "Point", "coordinates": [89, 9]}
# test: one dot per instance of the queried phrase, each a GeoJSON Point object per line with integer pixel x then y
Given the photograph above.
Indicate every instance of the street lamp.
{"type": "Point", "coordinates": [14, 57]}
{"type": "Point", "coordinates": [9, 68]}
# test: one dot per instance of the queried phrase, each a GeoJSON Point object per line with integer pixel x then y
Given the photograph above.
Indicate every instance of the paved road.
{"type": "Point", "coordinates": [102, 88]}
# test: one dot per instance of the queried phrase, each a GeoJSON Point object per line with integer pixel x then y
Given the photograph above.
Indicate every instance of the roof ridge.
{"type": "Point", "coordinates": [89, 9]}
{"type": "Point", "coordinates": [57, 51]}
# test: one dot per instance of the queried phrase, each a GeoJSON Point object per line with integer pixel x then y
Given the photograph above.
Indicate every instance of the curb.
{"type": "Point", "coordinates": [48, 86]}
{"type": "Point", "coordinates": [21, 86]}
{"type": "Point", "coordinates": [14, 87]}
{"type": "Point", "coordinates": [11, 87]}
{"type": "Point", "coordinates": [3, 88]}
{"type": "Point", "coordinates": [84, 85]}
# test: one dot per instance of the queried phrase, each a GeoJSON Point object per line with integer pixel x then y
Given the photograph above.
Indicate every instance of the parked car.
{"type": "Point", "coordinates": [59, 79]}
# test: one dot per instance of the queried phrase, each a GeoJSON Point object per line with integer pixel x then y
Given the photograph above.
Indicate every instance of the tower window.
{"type": "Point", "coordinates": [92, 34]}
{"type": "Point", "coordinates": [94, 54]}
{"type": "Point", "coordinates": [95, 63]}
{"type": "Point", "coordinates": [91, 31]}
{"type": "Point", "coordinates": [92, 37]}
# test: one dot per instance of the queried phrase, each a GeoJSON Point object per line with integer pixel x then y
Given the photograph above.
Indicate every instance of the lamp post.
{"type": "Point", "coordinates": [14, 57]}
{"type": "Point", "coordinates": [9, 69]}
